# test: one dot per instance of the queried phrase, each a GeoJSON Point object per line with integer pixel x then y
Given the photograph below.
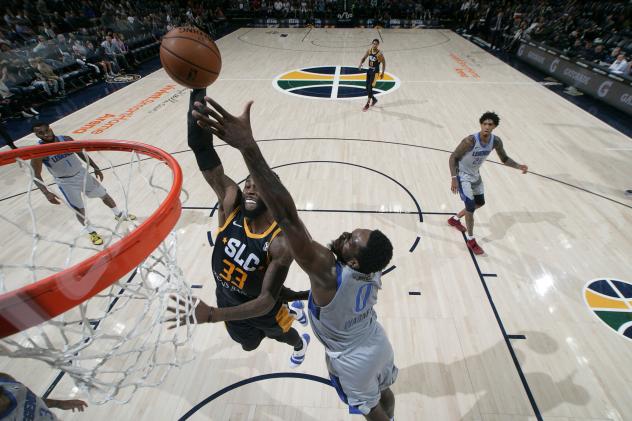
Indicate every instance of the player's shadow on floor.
{"type": "Point", "coordinates": [389, 108]}
{"type": "Point", "coordinates": [438, 379]}
{"type": "Point", "coordinates": [500, 222]}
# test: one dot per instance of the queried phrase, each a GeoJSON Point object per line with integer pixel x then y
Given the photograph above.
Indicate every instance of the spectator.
{"type": "Point", "coordinates": [620, 65]}
{"type": "Point", "coordinates": [46, 74]}
{"type": "Point", "coordinates": [11, 100]}
{"type": "Point", "coordinates": [114, 53]}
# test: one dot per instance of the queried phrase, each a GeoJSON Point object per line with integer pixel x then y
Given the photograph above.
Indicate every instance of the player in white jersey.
{"type": "Point", "coordinates": [19, 403]}
{"type": "Point", "coordinates": [70, 174]}
{"type": "Point", "coordinates": [465, 163]}
{"type": "Point", "coordinates": [344, 279]}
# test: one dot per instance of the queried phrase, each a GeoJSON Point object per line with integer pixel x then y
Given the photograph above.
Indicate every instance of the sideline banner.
{"type": "Point", "coordinates": [596, 82]}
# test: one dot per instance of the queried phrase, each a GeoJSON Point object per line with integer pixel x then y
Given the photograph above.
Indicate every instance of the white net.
{"type": "Point", "coordinates": [117, 341]}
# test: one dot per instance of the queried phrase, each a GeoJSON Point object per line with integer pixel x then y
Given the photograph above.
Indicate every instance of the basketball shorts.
{"type": "Point", "coordinates": [250, 332]}
{"type": "Point", "coordinates": [472, 191]}
{"type": "Point", "coordinates": [361, 374]}
{"type": "Point", "coordinates": [72, 187]}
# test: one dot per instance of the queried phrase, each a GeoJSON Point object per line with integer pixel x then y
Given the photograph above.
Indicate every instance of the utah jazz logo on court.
{"type": "Point", "coordinates": [611, 301]}
{"type": "Point", "coordinates": [332, 82]}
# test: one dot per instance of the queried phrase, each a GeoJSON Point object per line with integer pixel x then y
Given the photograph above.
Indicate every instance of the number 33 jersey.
{"type": "Point", "coordinates": [240, 259]}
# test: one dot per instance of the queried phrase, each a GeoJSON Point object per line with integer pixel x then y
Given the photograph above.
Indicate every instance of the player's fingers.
{"type": "Point", "coordinates": [203, 109]}
{"type": "Point", "coordinates": [218, 107]}
{"type": "Point", "coordinates": [209, 122]}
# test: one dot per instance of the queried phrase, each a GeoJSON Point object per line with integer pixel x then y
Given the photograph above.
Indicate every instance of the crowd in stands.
{"type": "Point", "coordinates": [599, 32]}
{"type": "Point", "coordinates": [51, 47]}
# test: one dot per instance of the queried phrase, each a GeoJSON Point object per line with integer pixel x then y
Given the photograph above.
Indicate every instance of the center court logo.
{"type": "Point", "coordinates": [332, 82]}
{"type": "Point", "coordinates": [611, 301]}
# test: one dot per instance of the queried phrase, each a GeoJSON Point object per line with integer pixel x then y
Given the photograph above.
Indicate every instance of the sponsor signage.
{"type": "Point", "coordinates": [616, 93]}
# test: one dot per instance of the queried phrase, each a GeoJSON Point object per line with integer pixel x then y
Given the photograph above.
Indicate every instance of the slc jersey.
{"type": "Point", "coordinates": [240, 258]}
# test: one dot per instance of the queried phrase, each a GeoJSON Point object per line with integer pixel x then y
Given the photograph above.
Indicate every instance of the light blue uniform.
{"type": "Point", "coordinates": [359, 356]}
{"type": "Point", "coordinates": [469, 178]}
{"type": "Point", "coordinates": [70, 173]}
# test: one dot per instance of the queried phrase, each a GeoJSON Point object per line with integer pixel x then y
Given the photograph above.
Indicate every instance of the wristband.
{"type": "Point", "coordinates": [200, 142]}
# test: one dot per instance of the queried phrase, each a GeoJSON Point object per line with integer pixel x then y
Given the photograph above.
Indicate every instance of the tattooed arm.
{"type": "Point", "coordinates": [465, 145]}
{"type": "Point", "coordinates": [504, 158]}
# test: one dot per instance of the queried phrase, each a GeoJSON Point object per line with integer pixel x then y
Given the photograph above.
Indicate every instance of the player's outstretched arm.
{"type": "Point", "coordinates": [504, 158]}
{"type": "Point", "coordinates": [201, 143]}
{"type": "Point", "coordinates": [312, 257]}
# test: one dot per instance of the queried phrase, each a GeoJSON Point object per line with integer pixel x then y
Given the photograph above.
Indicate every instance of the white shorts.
{"type": "Point", "coordinates": [72, 187]}
{"type": "Point", "coordinates": [361, 375]}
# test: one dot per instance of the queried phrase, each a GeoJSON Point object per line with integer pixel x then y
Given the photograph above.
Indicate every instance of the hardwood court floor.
{"type": "Point", "coordinates": [546, 234]}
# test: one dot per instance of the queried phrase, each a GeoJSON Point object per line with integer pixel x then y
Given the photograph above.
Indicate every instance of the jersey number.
{"type": "Point", "coordinates": [364, 292]}
{"type": "Point", "coordinates": [239, 278]}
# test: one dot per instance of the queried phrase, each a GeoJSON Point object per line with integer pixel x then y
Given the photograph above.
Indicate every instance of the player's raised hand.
{"type": "Point", "coordinates": [234, 130]}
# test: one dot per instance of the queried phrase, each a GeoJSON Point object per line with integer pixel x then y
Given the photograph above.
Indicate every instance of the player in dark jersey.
{"type": "Point", "coordinates": [375, 57]}
{"type": "Point", "coordinates": [250, 259]}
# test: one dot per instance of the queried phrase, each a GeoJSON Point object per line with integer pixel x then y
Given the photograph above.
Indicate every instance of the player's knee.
{"type": "Point", "coordinates": [470, 206]}
{"type": "Point", "coordinates": [250, 346]}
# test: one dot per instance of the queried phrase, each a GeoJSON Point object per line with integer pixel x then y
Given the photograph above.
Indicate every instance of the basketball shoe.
{"type": "Point", "coordinates": [473, 245]}
{"type": "Point", "coordinates": [456, 224]}
{"type": "Point", "coordinates": [95, 238]}
{"type": "Point", "coordinates": [298, 357]}
{"type": "Point", "coordinates": [296, 310]}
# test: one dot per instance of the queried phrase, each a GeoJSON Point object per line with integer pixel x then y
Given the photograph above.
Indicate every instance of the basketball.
{"type": "Point", "coordinates": [190, 57]}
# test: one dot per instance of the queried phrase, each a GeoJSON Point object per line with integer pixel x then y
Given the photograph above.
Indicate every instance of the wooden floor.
{"type": "Point", "coordinates": [546, 234]}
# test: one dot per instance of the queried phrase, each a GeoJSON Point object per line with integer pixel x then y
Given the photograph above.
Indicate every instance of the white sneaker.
{"type": "Point", "coordinates": [296, 310]}
{"type": "Point", "coordinates": [298, 357]}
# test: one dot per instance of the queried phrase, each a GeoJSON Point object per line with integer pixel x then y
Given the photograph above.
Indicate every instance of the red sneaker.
{"type": "Point", "coordinates": [456, 224]}
{"type": "Point", "coordinates": [472, 245]}
{"type": "Point", "coordinates": [366, 107]}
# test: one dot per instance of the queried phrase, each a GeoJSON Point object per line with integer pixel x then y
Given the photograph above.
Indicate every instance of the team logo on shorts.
{"type": "Point", "coordinates": [611, 301]}
{"type": "Point", "coordinates": [332, 82]}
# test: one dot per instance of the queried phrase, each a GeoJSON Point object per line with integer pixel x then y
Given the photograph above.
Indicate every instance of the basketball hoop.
{"type": "Point", "coordinates": [60, 319]}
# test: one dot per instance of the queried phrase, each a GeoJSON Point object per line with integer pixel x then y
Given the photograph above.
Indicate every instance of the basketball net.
{"type": "Point", "coordinates": [117, 341]}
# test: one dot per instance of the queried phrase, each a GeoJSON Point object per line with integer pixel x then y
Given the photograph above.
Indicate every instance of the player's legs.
{"type": "Point", "coordinates": [472, 194]}
{"type": "Point", "coordinates": [96, 189]}
{"type": "Point", "coordinates": [377, 414]}
{"type": "Point", "coordinates": [387, 401]}
{"type": "Point", "coordinates": [277, 325]}
{"type": "Point", "coordinates": [370, 76]}
{"type": "Point", "coordinates": [362, 376]}
{"type": "Point", "coordinates": [244, 334]}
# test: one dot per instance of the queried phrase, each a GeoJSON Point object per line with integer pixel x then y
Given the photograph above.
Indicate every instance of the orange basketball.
{"type": "Point", "coordinates": [190, 57]}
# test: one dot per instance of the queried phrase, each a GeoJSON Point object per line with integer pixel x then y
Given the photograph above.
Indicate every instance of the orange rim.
{"type": "Point", "coordinates": [35, 303]}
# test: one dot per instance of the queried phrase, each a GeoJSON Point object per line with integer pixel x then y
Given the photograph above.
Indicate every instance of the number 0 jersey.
{"type": "Point", "coordinates": [240, 259]}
